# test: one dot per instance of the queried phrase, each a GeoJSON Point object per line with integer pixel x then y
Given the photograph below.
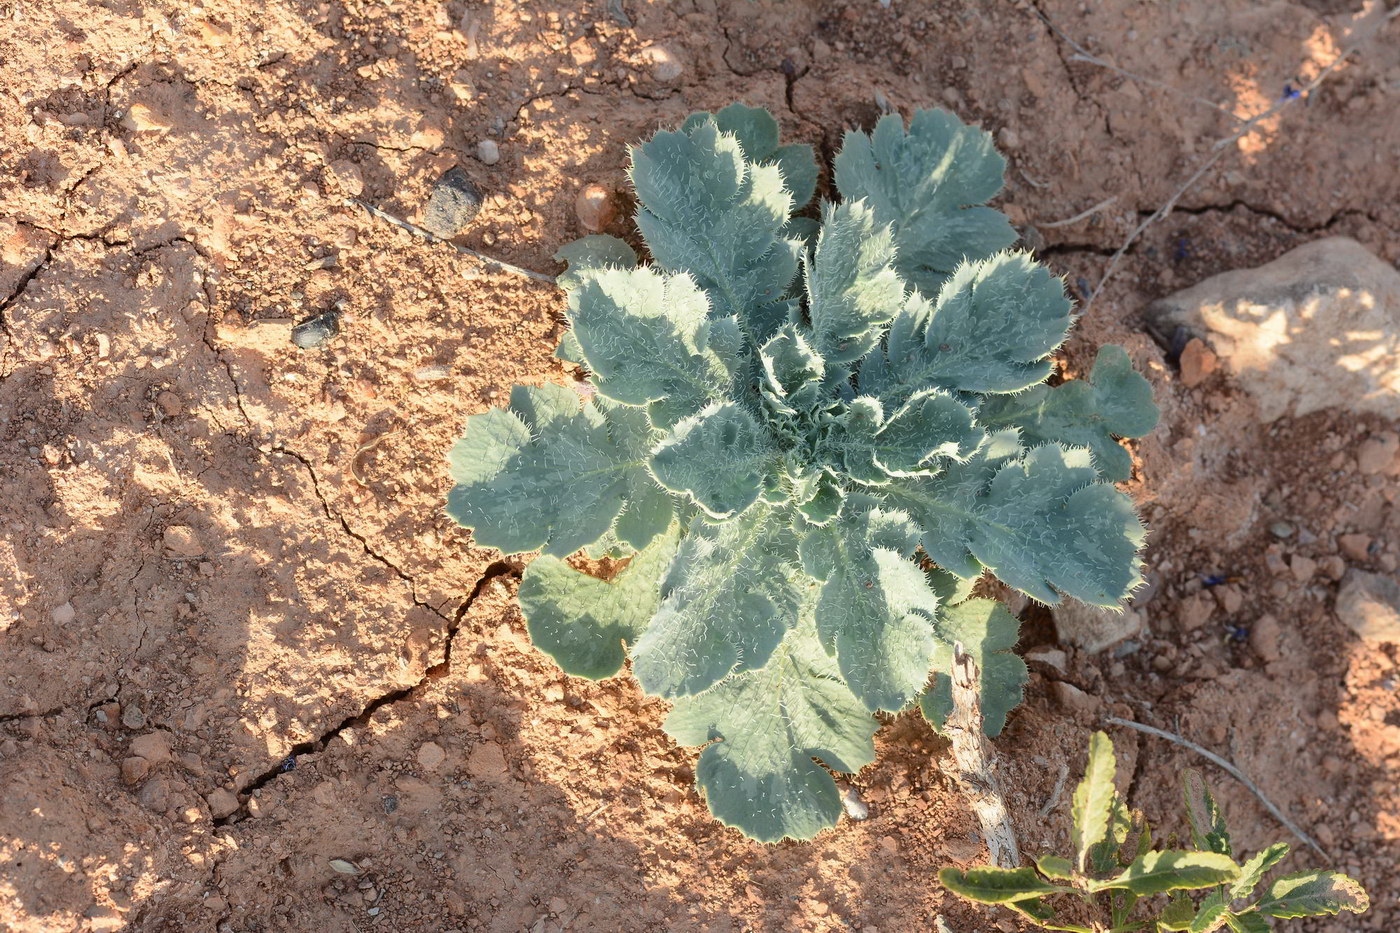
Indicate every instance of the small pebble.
{"type": "Point", "coordinates": [1263, 638]}
{"type": "Point", "coordinates": [345, 175]}
{"type": "Point", "coordinates": [133, 717]}
{"type": "Point", "coordinates": [222, 802]}
{"type": "Point", "coordinates": [344, 867]}
{"type": "Point", "coordinates": [1281, 530]}
{"type": "Point", "coordinates": [64, 614]}
{"type": "Point", "coordinates": [1355, 547]}
{"type": "Point", "coordinates": [430, 755]}
{"type": "Point", "coordinates": [596, 208]}
{"type": "Point", "coordinates": [315, 330]}
{"type": "Point", "coordinates": [663, 63]}
{"type": "Point", "coordinates": [143, 118]}
{"type": "Point", "coordinates": [452, 205]}
{"type": "Point", "coordinates": [432, 373]}
{"type": "Point", "coordinates": [855, 808]}
{"type": "Point", "coordinates": [135, 769]}
{"type": "Point", "coordinates": [1198, 361]}
{"type": "Point", "coordinates": [488, 152]}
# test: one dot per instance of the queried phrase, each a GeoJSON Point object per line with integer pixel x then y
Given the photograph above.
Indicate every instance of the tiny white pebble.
{"type": "Point", "coordinates": [487, 151]}
{"type": "Point", "coordinates": [856, 808]}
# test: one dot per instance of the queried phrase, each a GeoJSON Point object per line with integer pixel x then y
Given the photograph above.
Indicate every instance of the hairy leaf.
{"type": "Point", "coordinates": [707, 211]}
{"type": "Point", "coordinates": [989, 885]}
{"type": "Point", "coordinates": [1313, 894]}
{"type": "Point", "coordinates": [766, 726]}
{"type": "Point", "coordinates": [1115, 401]}
{"type": "Point", "coordinates": [928, 184]}
{"type": "Point", "coordinates": [1208, 830]}
{"type": "Point", "coordinates": [720, 457]}
{"type": "Point", "coordinates": [1094, 798]}
{"type": "Point", "coordinates": [732, 593]}
{"type": "Point", "coordinates": [757, 133]}
{"type": "Point", "coordinates": [583, 622]}
{"type": "Point", "coordinates": [648, 509]}
{"type": "Point", "coordinates": [987, 632]}
{"type": "Point", "coordinates": [542, 474]}
{"type": "Point", "coordinates": [876, 611]}
{"type": "Point", "coordinates": [852, 288]}
{"type": "Point", "coordinates": [1256, 868]}
{"type": "Point", "coordinates": [1171, 870]}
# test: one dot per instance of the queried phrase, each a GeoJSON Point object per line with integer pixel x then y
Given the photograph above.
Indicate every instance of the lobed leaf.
{"type": "Point", "coordinates": [1208, 830]}
{"type": "Point", "coordinates": [852, 288]}
{"type": "Point", "coordinates": [1313, 894]}
{"type": "Point", "coordinates": [988, 633]}
{"type": "Point", "coordinates": [544, 473]}
{"type": "Point", "coordinates": [583, 622]}
{"type": "Point", "coordinates": [721, 457]}
{"type": "Point", "coordinates": [1114, 401]}
{"type": "Point", "coordinates": [928, 184]}
{"type": "Point", "coordinates": [648, 509]}
{"type": "Point", "coordinates": [732, 593]}
{"type": "Point", "coordinates": [1094, 798]}
{"type": "Point", "coordinates": [1256, 868]}
{"type": "Point", "coordinates": [766, 726]}
{"type": "Point", "coordinates": [757, 133]}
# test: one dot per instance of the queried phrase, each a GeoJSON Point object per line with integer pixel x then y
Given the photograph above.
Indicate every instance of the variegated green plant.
{"type": "Point", "coordinates": [1115, 869]}
{"type": "Point", "coordinates": [810, 437]}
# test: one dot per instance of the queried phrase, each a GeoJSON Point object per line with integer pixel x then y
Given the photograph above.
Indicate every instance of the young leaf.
{"type": "Point", "coordinates": [707, 211]}
{"type": "Point", "coordinates": [1208, 830]}
{"type": "Point", "coordinates": [648, 338]}
{"type": "Point", "coordinates": [852, 288]}
{"type": "Point", "coordinates": [1178, 913]}
{"type": "Point", "coordinates": [1093, 798]}
{"type": "Point", "coordinates": [1211, 915]}
{"type": "Point", "coordinates": [928, 184]}
{"type": "Point", "coordinates": [876, 611]}
{"type": "Point", "coordinates": [770, 723]}
{"type": "Point", "coordinates": [987, 632]}
{"type": "Point", "coordinates": [720, 456]}
{"type": "Point", "coordinates": [543, 474]}
{"type": "Point", "coordinates": [989, 885]}
{"type": "Point", "coordinates": [1256, 868]}
{"type": "Point", "coordinates": [1115, 401]}
{"type": "Point", "coordinates": [1159, 872]}
{"type": "Point", "coordinates": [1247, 923]}
{"type": "Point", "coordinates": [583, 622]}
{"type": "Point", "coordinates": [733, 591]}
{"type": "Point", "coordinates": [757, 133]}
{"type": "Point", "coordinates": [1055, 868]}
{"type": "Point", "coordinates": [1313, 894]}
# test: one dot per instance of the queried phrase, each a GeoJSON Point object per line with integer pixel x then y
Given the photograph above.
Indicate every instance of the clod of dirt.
{"type": "Point", "coordinates": [64, 614]}
{"type": "Point", "coordinates": [153, 746]}
{"type": "Point", "coordinates": [452, 205]}
{"type": "Point", "coordinates": [1313, 329]}
{"type": "Point", "coordinates": [596, 208]}
{"type": "Point", "coordinates": [345, 176]}
{"type": "Point", "coordinates": [1369, 604]}
{"type": "Point", "coordinates": [1093, 629]}
{"type": "Point", "coordinates": [1378, 454]}
{"type": "Point", "coordinates": [1074, 699]}
{"type": "Point", "coordinates": [182, 543]}
{"type": "Point", "coordinates": [488, 152]}
{"type": "Point", "coordinates": [1263, 638]}
{"type": "Point", "coordinates": [222, 802]}
{"type": "Point", "coordinates": [487, 761]}
{"type": "Point", "coordinates": [143, 118]}
{"type": "Point", "coordinates": [133, 717]}
{"type": "Point", "coordinates": [1197, 362]}
{"type": "Point", "coordinates": [135, 769]}
{"type": "Point", "coordinates": [316, 330]}
{"type": "Point", "coordinates": [663, 63]}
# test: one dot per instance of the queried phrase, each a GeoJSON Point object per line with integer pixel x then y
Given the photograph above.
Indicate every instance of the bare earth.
{"type": "Point", "coordinates": [238, 637]}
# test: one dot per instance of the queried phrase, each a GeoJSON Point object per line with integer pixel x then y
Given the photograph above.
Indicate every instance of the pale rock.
{"type": "Point", "coordinates": [1355, 547]}
{"type": "Point", "coordinates": [1263, 638]}
{"type": "Point", "coordinates": [135, 769]}
{"type": "Point", "coordinates": [182, 543]}
{"type": "Point", "coordinates": [1194, 612]}
{"type": "Point", "coordinates": [143, 118]}
{"type": "Point", "coordinates": [64, 614]}
{"type": "Point", "coordinates": [345, 176]}
{"type": "Point", "coordinates": [1369, 604]}
{"type": "Point", "coordinates": [153, 746]}
{"type": "Point", "coordinates": [1093, 628]}
{"type": "Point", "coordinates": [1072, 698]}
{"type": "Point", "coordinates": [430, 756]}
{"type": "Point", "coordinates": [1229, 598]}
{"type": "Point", "coordinates": [1317, 328]}
{"type": "Point", "coordinates": [1303, 567]}
{"type": "Point", "coordinates": [1054, 658]}
{"type": "Point", "coordinates": [488, 762]}
{"type": "Point", "coordinates": [663, 63]}
{"type": "Point", "coordinates": [1198, 362]}
{"type": "Point", "coordinates": [222, 802]}
{"type": "Point", "coordinates": [488, 152]}
{"type": "Point", "coordinates": [1376, 454]}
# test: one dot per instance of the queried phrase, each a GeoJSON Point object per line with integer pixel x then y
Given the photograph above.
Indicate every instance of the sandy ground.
{"type": "Point", "coordinates": [238, 637]}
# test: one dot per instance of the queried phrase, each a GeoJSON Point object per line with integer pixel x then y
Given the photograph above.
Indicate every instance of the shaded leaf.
{"type": "Point", "coordinates": [1208, 830]}
{"type": "Point", "coordinates": [1313, 894]}
{"type": "Point", "coordinates": [1247, 923]}
{"type": "Point", "coordinates": [1178, 913]}
{"type": "Point", "coordinates": [988, 885]}
{"type": "Point", "coordinates": [987, 632]}
{"type": "Point", "coordinates": [1256, 868]}
{"type": "Point", "coordinates": [720, 457]}
{"type": "Point", "coordinates": [1211, 914]}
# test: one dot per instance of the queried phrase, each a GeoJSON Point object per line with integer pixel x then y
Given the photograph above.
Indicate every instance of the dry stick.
{"type": "Point", "coordinates": [1081, 215]}
{"type": "Point", "coordinates": [973, 759]}
{"type": "Point", "coordinates": [434, 238]}
{"type": "Point", "coordinates": [1230, 769]}
{"type": "Point", "coordinates": [1055, 794]}
{"type": "Point", "coordinates": [1220, 148]}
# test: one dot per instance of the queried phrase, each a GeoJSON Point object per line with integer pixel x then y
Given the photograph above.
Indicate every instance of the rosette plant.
{"type": "Point", "coordinates": [808, 438]}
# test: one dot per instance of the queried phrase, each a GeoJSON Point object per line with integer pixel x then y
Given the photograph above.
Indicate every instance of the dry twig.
{"type": "Point", "coordinates": [973, 760]}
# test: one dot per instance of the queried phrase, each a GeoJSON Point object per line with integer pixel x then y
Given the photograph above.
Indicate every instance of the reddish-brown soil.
{"type": "Point", "coordinates": [216, 543]}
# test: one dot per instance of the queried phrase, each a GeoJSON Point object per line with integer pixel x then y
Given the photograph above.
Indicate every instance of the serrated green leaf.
{"type": "Point", "coordinates": [757, 133]}
{"type": "Point", "coordinates": [595, 251]}
{"type": "Point", "coordinates": [766, 726]}
{"type": "Point", "coordinates": [1256, 868]}
{"type": "Point", "coordinates": [1208, 830]}
{"type": "Point", "coordinates": [1247, 923]}
{"type": "Point", "coordinates": [930, 426]}
{"type": "Point", "coordinates": [792, 373]}
{"type": "Point", "coordinates": [852, 288]}
{"type": "Point", "coordinates": [583, 622]}
{"type": "Point", "coordinates": [989, 885]}
{"type": "Point", "coordinates": [543, 474]}
{"type": "Point", "coordinates": [1044, 523]}
{"type": "Point", "coordinates": [707, 211]}
{"type": "Point", "coordinates": [720, 457]}
{"type": "Point", "coordinates": [1210, 916]}
{"type": "Point", "coordinates": [1055, 867]}
{"type": "Point", "coordinates": [1093, 798]}
{"type": "Point", "coordinates": [1112, 852]}
{"type": "Point", "coordinates": [1313, 894]}
{"type": "Point", "coordinates": [1159, 872]}
{"type": "Point", "coordinates": [987, 632]}
{"type": "Point", "coordinates": [876, 610]}
{"type": "Point", "coordinates": [732, 593]}
{"type": "Point", "coordinates": [649, 339]}
{"type": "Point", "coordinates": [1115, 401]}
{"type": "Point", "coordinates": [1178, 913]}
{"type": "Point", "coordinates": [648, 509]}
{"type": "Point", "coordinates": [928, 184]}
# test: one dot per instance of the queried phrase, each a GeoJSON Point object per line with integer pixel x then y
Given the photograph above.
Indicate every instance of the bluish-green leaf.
{"type": "Point", "coordinates": [1115, 401]}
{"type": "Point", "coordinates": [649, 339]}
{"type": "Point", "coordinates": [1313, 894]}
{"type": "Point", "coordinates": [757, 133]}
{"type": "Point", "coordinates": [929, 184]}
{"type": "Point", "coordinates": [648, 509]}
{"type": "Point", "coordinates": [583, 622]}
{"type": "Point", "coordinates": [852, 287]}
{"type": "Point", "coordinates": [707, 211]}
{"type": "Point", "coordinates": [930, 426]}
{"type": "Point", "coordinates": [988, 633]}
{"type": "Point", "coordinates": [766, 726]}
{"type": "Point", "coordinates": [543, 474]}
{"type": "Point", "coordinates": [720, 457]}
{"type": "Point", "coordinates": [876, 609]}
{"type": "Point", "coordinates": [734, 590]}
{"type": "Point", "coordinates": [595, 251]}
